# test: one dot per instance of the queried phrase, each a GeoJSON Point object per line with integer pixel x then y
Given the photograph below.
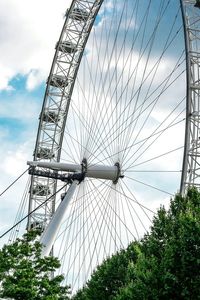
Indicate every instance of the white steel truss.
{"type": "Point", "coordinates": [191, 163]}
{"type": "Point", "coordinates": [69, 50]}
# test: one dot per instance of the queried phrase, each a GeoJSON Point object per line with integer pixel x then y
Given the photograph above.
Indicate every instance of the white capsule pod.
{"type": "Point", "coordinates": [79, 14]}
{"type": "Point", "coordinates": [45, 153]}
{"type": "Point", "coordinates": [58, 81]}
{"type": "Point", "coordinates": [41, 190]}
{"type": "Point", "coordinates": [66, 47]}
{"type": "Point", "coordinates": [50, 116]}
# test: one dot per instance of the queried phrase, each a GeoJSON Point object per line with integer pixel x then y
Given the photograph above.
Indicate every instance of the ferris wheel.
{"type": "Point", "coordinates": [118, 131]}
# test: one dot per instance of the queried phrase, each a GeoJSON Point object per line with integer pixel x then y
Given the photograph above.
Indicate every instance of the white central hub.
{"type": "Point", "coordinates": [94, 171]}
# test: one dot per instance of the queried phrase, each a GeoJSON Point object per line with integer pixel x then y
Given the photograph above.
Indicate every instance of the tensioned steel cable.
{"type": "Point", "coordinates": [123, 91]}
{"type": "Point", "coordinates": [14, 181]}
{"type": "Point", "coordinates": [34, 210]}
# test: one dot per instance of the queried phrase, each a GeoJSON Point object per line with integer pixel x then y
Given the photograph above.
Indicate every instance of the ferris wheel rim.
{"type": "Point", "coordinates": [49, 82]}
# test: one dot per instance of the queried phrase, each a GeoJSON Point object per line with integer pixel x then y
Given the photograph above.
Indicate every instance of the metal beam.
{"type": "Point", "coordinates": [95, 171]}
{"type": "Point", "coordinates": [49, 235]}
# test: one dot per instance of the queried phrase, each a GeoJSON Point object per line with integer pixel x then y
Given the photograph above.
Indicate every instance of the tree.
{"type": "Point", "coordinates": [168, 266]}
{"type": "Point", "coordinates": [25, 275]}
{"type": "Point", "coordinates": [165, 264]}
{"type": "Point", "coordinates": [109, 277]}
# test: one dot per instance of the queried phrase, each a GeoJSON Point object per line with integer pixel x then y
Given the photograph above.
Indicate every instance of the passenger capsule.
{"type": "Point", "coordinates": [37, 225]}
{"type": "Point", "coordinates": [50, 117]}
{"type": "Point", "coordinates": [79, 14]}
{"type": "Point", "coordinates": [66, 47]}
{"type": "Point", "coordinates": [58, 81]}
{"type": "Point", "coordinates": [41, 190]}
{"type": "Point", "coordinates": [45, 153]}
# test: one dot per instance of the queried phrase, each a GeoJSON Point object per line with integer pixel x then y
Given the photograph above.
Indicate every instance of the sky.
{"type": "Point", "coordinates": [29, 32]}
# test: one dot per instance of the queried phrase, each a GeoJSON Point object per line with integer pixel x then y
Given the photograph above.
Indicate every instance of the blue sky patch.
{"type": "Point", "coordinates": [14, 128]}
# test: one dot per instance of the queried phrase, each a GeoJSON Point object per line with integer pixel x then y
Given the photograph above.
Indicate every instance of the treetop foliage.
{"type": "Point", "coordinates": [24, 275]}
{"type": "Point", "coordinates": [165, 264]}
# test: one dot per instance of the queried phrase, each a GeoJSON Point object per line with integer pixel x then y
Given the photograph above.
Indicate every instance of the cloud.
{"type": "Point", "coordinates": [14, 161]}
{"type": "Point", "coordinates": [28, 36]}
{"type": "Point", "coordinates": [20, 108]}
{"type": "Point", "coordinates": [29, 31]}
{"type": "Point", "coordinates": [13, 164]}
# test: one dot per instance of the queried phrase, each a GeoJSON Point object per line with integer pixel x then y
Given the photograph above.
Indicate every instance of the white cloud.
{"type": "Point", "coordinates": [20, 108]}
{"type": "Point", "coordinates": [34, 79]}
{"type": "Point", "coordinates": [28, 36]}
{"type": "Point", "coordinates": [29, 31]}
{"type": "Point", "coordinates": [14, 162]}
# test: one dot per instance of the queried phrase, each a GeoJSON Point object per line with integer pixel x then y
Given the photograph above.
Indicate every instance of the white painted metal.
{"type": "Point", "coordinates": [57, 101]}
{"type": "Point", "coordinates": [96, 171]}
{"type": "Point", "coordinates": [49, 235]}
{"type": "Point", "coordinates": [191, 162]}
{"type": "Point", "coordinates": [77, 26]}
{"type": "Point", "coordinates": [69, 51]}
